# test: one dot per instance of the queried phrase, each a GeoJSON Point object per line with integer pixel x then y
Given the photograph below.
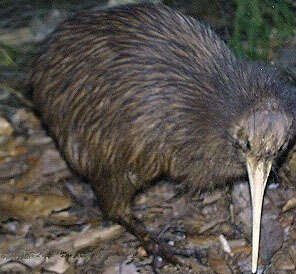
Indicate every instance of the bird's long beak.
{"type": "Point", "coordinates": [258, 171]}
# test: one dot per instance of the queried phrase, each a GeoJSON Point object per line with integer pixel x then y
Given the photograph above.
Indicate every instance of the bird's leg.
{"type": "Point", "coordinates": [155, 246]}
{"type": "Point", "coordinates": [117, 207]}
{"type": "Point", "coordinates": [152, 241]}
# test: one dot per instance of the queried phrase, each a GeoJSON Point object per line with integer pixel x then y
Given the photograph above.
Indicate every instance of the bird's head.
{"type": "Point", "coordinates": [260, 135]}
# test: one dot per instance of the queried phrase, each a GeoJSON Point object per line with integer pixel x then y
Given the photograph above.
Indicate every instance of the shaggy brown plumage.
{"type": "Point", "coordinates": [135, 93]}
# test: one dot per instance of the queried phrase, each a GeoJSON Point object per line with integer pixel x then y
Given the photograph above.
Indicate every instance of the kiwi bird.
{"type": "Point", "coordinates": [135, 93]}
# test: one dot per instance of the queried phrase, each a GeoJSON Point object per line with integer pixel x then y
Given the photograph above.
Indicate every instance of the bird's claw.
{"type": "Point", "coordinates": [162, 251]}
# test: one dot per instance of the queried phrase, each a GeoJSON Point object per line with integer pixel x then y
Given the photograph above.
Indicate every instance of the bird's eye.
{"type": "Point", "coordinates": [248, 145]}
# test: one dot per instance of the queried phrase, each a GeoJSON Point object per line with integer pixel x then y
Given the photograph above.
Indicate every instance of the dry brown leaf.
{"type": "Point", "coordinates": [26, 119]}
{"type": "Point", "coordinates": [290, 204]}
{"type": "Point", "coordinates": [57, 264]}
{"type": "Point", "coordinates": [194, 225]}
{"type": "Point", "coordinates": [11, 149]}
{"type": "Point", "coordinates": [93, 237]}
{"type": "Point", "coordinates": [16, 169]}
{"type": "Point", "coordinates": [30, 206]}
{"type": "Point", "coordinates": [219, 265]}
{"type": "Point", "coordinates": [246, 250]}
{"type": "Point", "coordinates": [122, 268]}
{"type": "Point", "coordinates": [292, 253]}
{"type": "Point", "coordinates": [49, 167]}
{"type": "Point", "coordinates": [212, 198]}
{"type": "Point", "coordinates": [29, 176]}
{"type": "Point", "coordinates": [89, 238]}
{"type": "Point", "coordinates": [13, 267]}
{"type": "Point", "coordinates": [283, 262]}
{"type": "Point", "coordinates": [64, 218]}
{"type": "Point", "coordinates": [210, 225]}
{"type": "Point", "coordinates": [5, 127]}
{"type": "Point", "coordinates": [204, 241]}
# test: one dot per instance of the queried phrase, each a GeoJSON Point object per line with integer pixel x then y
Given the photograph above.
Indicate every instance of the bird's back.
{"type": "Point", "coordinates": [135, 87]}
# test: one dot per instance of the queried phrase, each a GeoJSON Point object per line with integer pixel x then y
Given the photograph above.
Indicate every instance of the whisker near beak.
{"type": "Point", "coordinates": [258, 171]}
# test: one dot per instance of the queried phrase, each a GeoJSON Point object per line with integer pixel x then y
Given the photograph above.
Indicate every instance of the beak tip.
{"type": "Point", "coordinates": [258, 172]}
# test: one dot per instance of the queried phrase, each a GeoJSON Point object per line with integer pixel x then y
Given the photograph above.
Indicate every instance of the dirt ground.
{"type": "Point", "coordinates": [49, 218]}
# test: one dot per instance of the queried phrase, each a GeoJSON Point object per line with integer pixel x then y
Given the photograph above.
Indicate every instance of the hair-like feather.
{"type": "Point", "coordinates": [144, 89]}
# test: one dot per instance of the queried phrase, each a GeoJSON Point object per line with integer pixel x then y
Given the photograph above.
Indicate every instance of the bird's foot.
{"type": "Point", "coordinates": [160, 246]}
{"type": "Point", "coordinates": [162, 249]}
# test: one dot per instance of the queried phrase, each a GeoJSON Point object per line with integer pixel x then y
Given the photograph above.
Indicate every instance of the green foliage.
{"type": "Point", "coordinates": [261, 24]}
{"type": "Point", "coordinates": [8, 55]}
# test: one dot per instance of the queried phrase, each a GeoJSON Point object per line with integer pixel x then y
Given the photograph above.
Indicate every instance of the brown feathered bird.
{"type": "Point", "coordinates": [135, 93]}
